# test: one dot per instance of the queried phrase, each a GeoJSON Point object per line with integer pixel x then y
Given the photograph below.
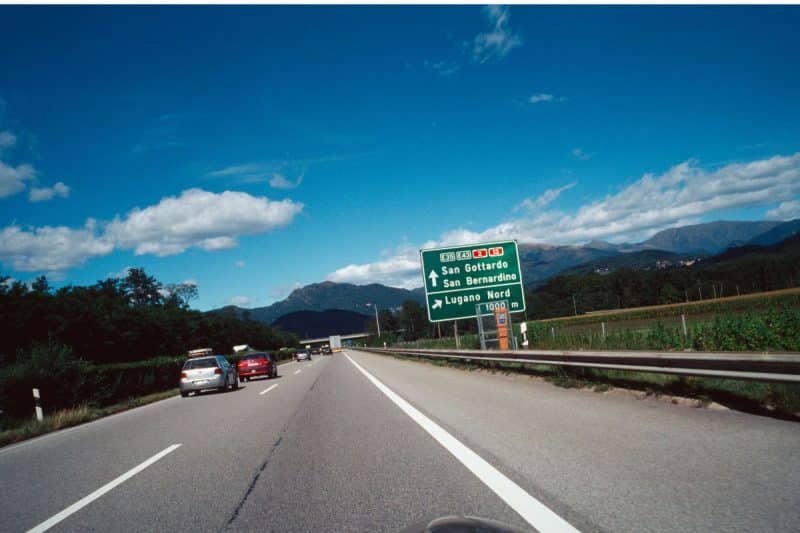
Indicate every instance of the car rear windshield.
{"type": "Point", "coordinates": [251, 356]}
{"type": "Point", "coordinates": [206, 362]}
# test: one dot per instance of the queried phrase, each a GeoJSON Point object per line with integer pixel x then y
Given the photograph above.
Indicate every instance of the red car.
{"type": "Point", "coordinates": [257, 364]}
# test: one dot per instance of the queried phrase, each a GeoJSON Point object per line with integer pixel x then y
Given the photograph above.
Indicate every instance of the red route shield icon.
{"type": "Point", "coordinates": [496, 252]}
{"type": "Point", "coordinates": [479, 253]}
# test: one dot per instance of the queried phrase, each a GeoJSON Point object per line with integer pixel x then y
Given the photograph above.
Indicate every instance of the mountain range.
{"type": "Point", "coordinates": [315, 324]}
{"type": "Point", "coordinates": [330, 295]}
{"type": "Point", "coordinates": [541, 262]}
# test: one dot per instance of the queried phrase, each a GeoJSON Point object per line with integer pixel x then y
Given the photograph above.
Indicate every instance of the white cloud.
{"type": "Point", "coordinates": [541, 97]}
{"type": "Point", "coordinates": [684, 194]}
{"type": "Point", "coordinates": [499, 40]}
{"type": "Point", "coordinates": [13, 179]}
{"type": "Point", "coordinates": [190, 281]}
{"type": "Point", "coordinates": [121, 274]}
{"type": "Point", "coordinates": [402, 270]}
{"type": "Point", "coordinates": [543, 200]}
{"type": "Point", "coordinates": [785, 211]}
{"type": "Point", "coordinates": [50, 248]}
{"type": "Point", "coordinates": [279, 181]}
{"type": "Point", "coordinates": [239, 264]}
{"type": "Point", "coordinates": [240, 301]}
{"type": "Point", "coordinates": [198, 218]}
{"type": "Point", "coordinates": [236, 170]}
{"type": "Point", "coordinates": [44, 194]}
{"type": "Point", "coordinates": [7, 140]}
{"type": "Point", "coordinates": [280, 292]}
{"type": "Point", "coordinates": [445, 68]}
{"type": "Point", "coordinates": [578, 153]}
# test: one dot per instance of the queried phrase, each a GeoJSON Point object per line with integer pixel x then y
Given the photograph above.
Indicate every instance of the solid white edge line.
{"type": "Point", "coordinates": [83, 502]}
{"type": "Point", "coordinates": [532, 510]}
{"type": "Point", "coordinates": [263, 392]}
{"type": "Point", "coordinates": [93, 423]}
{"type": "Point", "coordinates": [298, 371]}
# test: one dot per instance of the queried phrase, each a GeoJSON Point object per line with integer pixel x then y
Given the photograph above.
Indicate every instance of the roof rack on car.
{"type": "Point", "coordinates": [200, 352]}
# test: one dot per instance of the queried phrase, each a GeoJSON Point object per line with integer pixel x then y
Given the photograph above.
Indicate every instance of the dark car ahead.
{"type": "Point", "coordinates": [204, 373]}
{"type": "Point", "coordinates": [257, 364]}
{"type": "Point", "coordinates": [316, 351]}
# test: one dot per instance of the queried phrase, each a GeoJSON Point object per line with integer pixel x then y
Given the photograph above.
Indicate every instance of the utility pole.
{"type": "Point", "coordinates": [714, 288]}
{"type": "Point", "coordinates": [574, 305]}
{"type": "Point", "coordinates": [377, 321]}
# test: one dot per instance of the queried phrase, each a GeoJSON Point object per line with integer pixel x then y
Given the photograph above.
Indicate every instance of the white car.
{"type": "Point", "coordinates": [204, 373]}
{"type": "Point", "coordinates": [302, 355]}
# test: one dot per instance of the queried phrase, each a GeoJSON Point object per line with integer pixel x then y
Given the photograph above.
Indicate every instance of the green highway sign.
{"type": "Point", "coordinates": [459, 278]}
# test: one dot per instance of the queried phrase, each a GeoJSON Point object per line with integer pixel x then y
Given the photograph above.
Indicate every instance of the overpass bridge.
{"type": "Point", "coordinates": [324, 340]}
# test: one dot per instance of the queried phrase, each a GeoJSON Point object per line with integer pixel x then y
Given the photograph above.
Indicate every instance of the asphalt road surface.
{"type": "Point", "coordinates": [363, 442]}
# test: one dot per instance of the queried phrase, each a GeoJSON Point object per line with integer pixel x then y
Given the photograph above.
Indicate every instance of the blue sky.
{"type": "Point", "coordinates": [255, 149]}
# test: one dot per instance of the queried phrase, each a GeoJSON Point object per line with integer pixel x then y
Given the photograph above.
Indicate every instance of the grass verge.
{"type": "Point", "coordinates": [22, 430]}
{"type": "Point", "coordinates": [777, 400]}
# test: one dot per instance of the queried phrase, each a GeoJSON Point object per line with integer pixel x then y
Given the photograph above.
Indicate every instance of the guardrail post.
{"type": "Point", "coordinates": [553, 332]}
{"type": "Point", "coordinates": [683, 321]}
{"type": "Point", "coordinates": [603, 326]}
{"type": "Point", "coordinates": [38, 401]}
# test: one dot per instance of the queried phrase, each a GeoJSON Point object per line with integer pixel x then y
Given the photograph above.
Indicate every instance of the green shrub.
{"type": "Point", "coordinates": [65, 382]}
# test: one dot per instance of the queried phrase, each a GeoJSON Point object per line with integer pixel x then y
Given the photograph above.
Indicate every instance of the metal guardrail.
{"type": "Point", "coordinates": [735, 365]}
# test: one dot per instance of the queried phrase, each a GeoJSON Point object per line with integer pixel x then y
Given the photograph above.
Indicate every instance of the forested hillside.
{"type": "Point", "coordinates": [738, 270]}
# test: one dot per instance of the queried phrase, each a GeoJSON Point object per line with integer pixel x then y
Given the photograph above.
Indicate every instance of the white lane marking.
{"type": "Point", "coordinates": [83, 502]}
{"type": "Point", "coordinates": [298, 371]}
{"type": "Point", "coordinates": [532, 510]}
{"type": "Point", "coordinates": [263, 392]}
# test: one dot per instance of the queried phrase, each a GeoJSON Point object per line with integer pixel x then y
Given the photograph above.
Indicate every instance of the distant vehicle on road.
{"type": "Point", "coordinates": [335, 342]}
{"type": "Point", "coordinates": [316, 351]}
{"type": "Point", "coordinates": [257, 364]}
{"type": "Point", "coordinates": [302, 355]}
{"type": "Point", "coordinates": [209, 372]}
{"type": "Point", "coordinates": [326, 350]}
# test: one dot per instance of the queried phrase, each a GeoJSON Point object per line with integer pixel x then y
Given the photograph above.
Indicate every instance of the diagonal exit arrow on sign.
{"type": "Point", "coordinates": [433, 277]}
{"type": "Point", "coordinates": [436, 304]}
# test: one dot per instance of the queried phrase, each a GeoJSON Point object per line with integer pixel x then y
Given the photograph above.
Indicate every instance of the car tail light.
{"type": "Point", "coordinates": [217, 371]}
{"type": "Point", "coordinates": [183, 375]}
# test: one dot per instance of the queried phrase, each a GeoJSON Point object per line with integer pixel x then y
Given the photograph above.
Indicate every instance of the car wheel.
{"type": "Point", "coordinates": [235, 382]}
{"type": "Point", "coordinates": [184, 394]}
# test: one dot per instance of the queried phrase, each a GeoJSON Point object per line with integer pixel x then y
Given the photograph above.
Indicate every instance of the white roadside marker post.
{"type": "Point", "coordinates": [38, 401]}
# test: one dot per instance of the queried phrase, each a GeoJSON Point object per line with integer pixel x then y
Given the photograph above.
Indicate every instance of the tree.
{"type": "Point", "coordinates": [180, 294]}
{"type": "Point", "coordinates": [413, 320]}
{"type": "Point", "coordinates": [669, 294]}
{"type": "Point", "coordinates": [40, 285]}
{"type": "Point", "coordinates": [142, 289]}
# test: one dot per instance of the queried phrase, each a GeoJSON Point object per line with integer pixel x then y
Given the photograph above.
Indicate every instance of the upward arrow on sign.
{"type": "Point", "coordinates": [433, 277]}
